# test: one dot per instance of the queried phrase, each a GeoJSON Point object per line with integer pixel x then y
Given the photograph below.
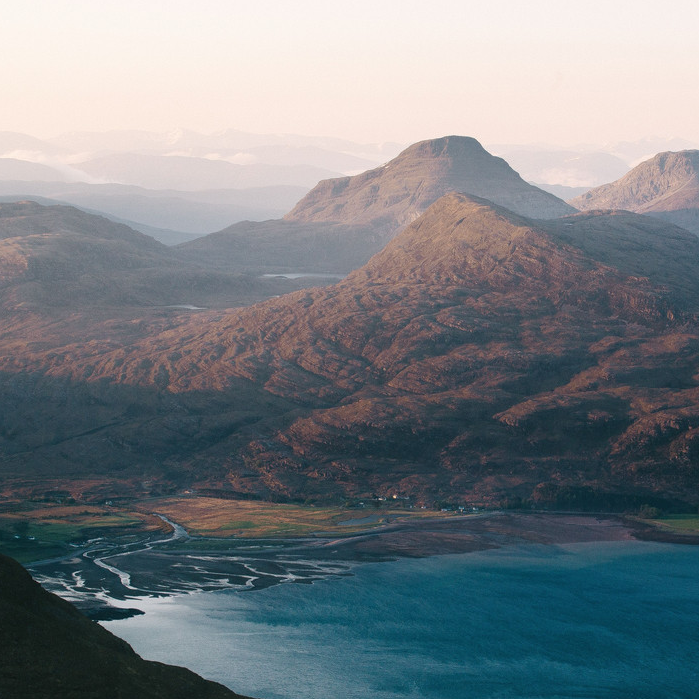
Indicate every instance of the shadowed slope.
{"type": "Point", "coordinates": [51, 651]}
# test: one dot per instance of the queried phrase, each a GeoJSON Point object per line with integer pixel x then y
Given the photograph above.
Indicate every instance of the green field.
{"type": "Point", "coordinates": [35, 532]}
{"type": "Point", "coordinates": [682, 524]}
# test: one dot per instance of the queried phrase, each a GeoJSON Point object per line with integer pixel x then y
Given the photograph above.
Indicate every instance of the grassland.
{"type": "Point", "coordinates": [679, 524]}
{"type": "Point", "coordinates": [211, 517]}
{"type": "Point", "coordinates": [32, 532]}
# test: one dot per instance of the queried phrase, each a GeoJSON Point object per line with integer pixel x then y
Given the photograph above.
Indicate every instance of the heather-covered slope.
{"type": "Point", "coordinates": [666, 186]}
{"type": "Point", "coordinates": [51, 651]}
{"type": "Point", "coordinates": [480, 353]}
{"type": "Point", "coordinates": [341, 222]}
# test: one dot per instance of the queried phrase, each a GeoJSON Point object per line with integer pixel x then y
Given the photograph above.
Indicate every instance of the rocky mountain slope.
{"type": "Point", "coordinates": [480, 355]}
{"type": "Point", "coordinates": [666, 186]}
{"type": "Point", "coordinates": [395, 194]}
{"type": "Point", "coordinates": [340, 223]}
{"type": "Point", "coordinates": [51, 651]}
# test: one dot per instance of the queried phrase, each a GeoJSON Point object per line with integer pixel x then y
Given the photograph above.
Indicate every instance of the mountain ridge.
{"type": "Point", "coordinates": [416, 178]}
{"type": "Point", "coordinates": [480, 353]}
{"type": "Point", "coordinates": [346, 220]}
{"type": "Point", "coordinates": [665, 186]}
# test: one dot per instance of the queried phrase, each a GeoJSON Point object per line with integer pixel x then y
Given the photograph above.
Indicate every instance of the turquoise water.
{"type": "Point", "coordinates": [582, 621]}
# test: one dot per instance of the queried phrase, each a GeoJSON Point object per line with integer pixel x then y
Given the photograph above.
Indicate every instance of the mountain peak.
{"type": "Point", "coordinates": [395, 194]}
{"type": "Point", "coordinates": [665, 186]}
{"type": "Point", "coordinates": [445, 146]}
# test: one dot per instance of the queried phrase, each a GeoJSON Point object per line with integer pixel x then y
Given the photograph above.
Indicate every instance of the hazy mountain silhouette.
{"type": "Point", "coordinates": [171, 216]}
{"type": "Point", "coordinates": [666, 186]}
{"type": "Point", "coordinates": [189, 173]}
{"type": "Point", "coordinates": [341, 222]}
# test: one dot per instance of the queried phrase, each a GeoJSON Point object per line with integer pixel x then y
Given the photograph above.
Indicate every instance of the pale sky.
{"type": "Point", "coordinates": [517, 71]}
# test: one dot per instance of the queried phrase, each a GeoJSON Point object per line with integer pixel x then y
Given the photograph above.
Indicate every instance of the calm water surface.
{"type": "Point", "coordinates": [583, 621]}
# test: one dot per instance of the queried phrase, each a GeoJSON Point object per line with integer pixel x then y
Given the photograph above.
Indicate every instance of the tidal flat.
{"type": "Point", "coordinates": [390, 604]}
{"type": "Point", "coordinates": [107, 576]}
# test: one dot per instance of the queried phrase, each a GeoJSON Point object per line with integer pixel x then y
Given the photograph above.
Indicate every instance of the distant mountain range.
{"type": "Point", "coordinates": [666, 186]}
{"type": "Point", "coordinates": [179, 185]}
{"type": "Point", "coordinates": [170, 216]}
{"type": "Point", "coordinates": [584, 166]}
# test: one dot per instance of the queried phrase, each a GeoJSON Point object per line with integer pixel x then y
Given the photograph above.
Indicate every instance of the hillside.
{"type": "Point", "coordinates": [60, 259]}
{"type": "Point", "coordinates": [52, 651]}
{"type": "Point", "coordinates": [341, 222]}
{"type": "Point", "coordinates": [481, 353]}
{"type": "Point", "coordinates": [666, 186]}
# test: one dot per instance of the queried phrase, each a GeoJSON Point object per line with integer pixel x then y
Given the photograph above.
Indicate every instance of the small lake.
{"type": "Point", "coordinates": [589, 621]}
{"type": "Point", "coordinates": [303, 275]}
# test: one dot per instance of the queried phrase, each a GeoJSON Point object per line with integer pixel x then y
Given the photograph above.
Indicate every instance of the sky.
{"type": "Point", "coordinates": [505, 71]}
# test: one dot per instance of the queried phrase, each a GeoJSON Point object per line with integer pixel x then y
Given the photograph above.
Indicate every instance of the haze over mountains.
{"type": "Point", "coordinates": [179, 185]}
{"type": "Point", "coordinates": [341, 222]}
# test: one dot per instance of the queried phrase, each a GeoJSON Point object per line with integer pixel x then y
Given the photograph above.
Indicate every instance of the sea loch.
{"type": "Point", "coordinates": [591, 621]}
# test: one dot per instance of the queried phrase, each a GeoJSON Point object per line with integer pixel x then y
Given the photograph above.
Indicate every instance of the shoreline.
{"type": "Point", "coordinates": [190, 564]}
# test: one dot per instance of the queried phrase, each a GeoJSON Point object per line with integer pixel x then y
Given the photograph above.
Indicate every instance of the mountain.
{"type": "Point", "coordinates": [397, 193]}
{"type": "Point", "coordinates": [61, 259]}
{"type": "Point", "coordinates": [666, 186]}
{"type": "Point", "coordinates": [13, 144]}
{"type": "Point", "coordinates": [191, 214]}
{"type": "Point", "coordinates": [15, 169]}
{"type": "Point", "coordinates": [341, 222]}
{"type": "Point", "coordinates": [481, 355]}
{"type": "Point", "coordinates": [52, 651]}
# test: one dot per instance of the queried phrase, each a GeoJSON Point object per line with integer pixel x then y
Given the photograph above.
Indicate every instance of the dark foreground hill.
{"type": "Point", "coordinates": [666, 186]}
{"type": "Point", "coordinates": [481, 355]}
{"type": "Point", "coordinates": [341, 222]}
{"type": "Point", "coordinates": [51, 651]}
